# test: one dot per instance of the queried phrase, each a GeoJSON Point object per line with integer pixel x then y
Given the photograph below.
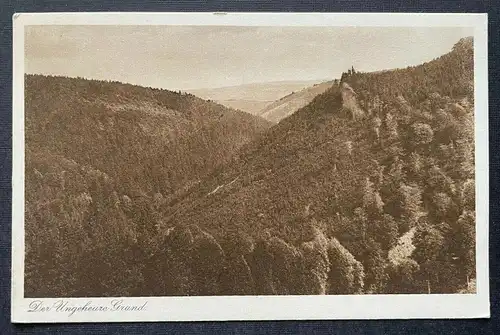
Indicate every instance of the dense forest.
{"type": "Point", "coordinates": [368, 189]}
{"type": "Point", "coordinates": [100, 158]}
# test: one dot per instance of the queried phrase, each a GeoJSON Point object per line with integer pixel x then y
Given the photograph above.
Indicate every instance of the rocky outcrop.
{"type": "Point", "coordinates": [349, 101]}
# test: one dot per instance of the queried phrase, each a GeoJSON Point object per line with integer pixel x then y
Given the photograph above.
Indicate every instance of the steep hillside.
{"type": "Point", "coordinates": [315, 205]}
{"type": "Point", "coordinates": [288, 104]}
{"type": "Point", "coordinates": [101, 157]}
{"type": "Point", "coordinates": [129, 131]}
{"type": "Point", "coordinates": [250, 106]}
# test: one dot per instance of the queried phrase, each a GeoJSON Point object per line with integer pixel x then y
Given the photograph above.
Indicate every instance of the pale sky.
{"type": "Point", "coordinates": [189, 57]}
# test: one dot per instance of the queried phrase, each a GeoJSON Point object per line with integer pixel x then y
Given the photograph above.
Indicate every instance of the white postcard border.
{"type": "Point", "coordinates": [254, 307]}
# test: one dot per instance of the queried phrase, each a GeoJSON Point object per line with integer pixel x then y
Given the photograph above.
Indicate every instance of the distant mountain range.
{"type": "Point", "coordinates": [254, 98]}
{"type": "Point", "coordinates": [253, 107]}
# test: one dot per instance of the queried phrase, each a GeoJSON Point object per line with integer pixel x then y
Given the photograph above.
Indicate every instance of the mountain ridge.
{"type": "Point", "coordinates": [252, 97]}
{"type": "Point", "coordinates": [101, 157]}
{"type": "Point", "coordinates": [288, 104]}
{"type": "Point", "coordinates": [369, 149]}
{"type": "Point", "coordinates": [315, 204]}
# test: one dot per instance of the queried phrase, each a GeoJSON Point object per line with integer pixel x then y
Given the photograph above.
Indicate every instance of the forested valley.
{"type": "Point", "coordinates": [368, 189]}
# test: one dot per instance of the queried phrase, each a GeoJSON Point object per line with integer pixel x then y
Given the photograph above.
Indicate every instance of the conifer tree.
{"type": "Point", "coordinates": [346, 273]}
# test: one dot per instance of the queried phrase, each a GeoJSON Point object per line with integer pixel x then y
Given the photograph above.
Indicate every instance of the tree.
{"type": "Point", "coordinates": [429, 247]}
{"type": "Point", "coordinates": [385, 231]}
{"type": "Point", "coordinates": [260, 264]}
{"type": "Point", "coordinates": [468, 195]}
{"type": "Point", "coordinates": [280, 268]}
{"type": "Point", "coordinates": [237, 243]}
{"type": "Point", "coordinates": [346, 273]}
{"type": "Point", "coordinates": [171, 264]}
{"type": "Point", "coordinates": [207, 258]}
{"type": "Point", "coordinates": [391, 188]}
{"type": "Point", "coordinates": [237, 275]}
{"type": "Point", "coordinates": [450, 128]}
{"type": "Point", "coordinates": [463, 243]}
{"type": "Point", "coordinates": [285, 267]}
{"type": "Point", "coordinates": [372, 202]}
{"type": "Point", "coordinates": [376, 122]}
{"type": "Point", "coordinates": [464, 159]}
{"type": "Point", "coordinates": [437, 180]}
{"type": "Point", "coordinates": [178, 238]}
{"type": "Point", "coordinates": [415, 166]}
{"type": "Point", "coordinates": [377, 174]}
{"type": "Point", "coordinates": [374, 263]}
{"type": "Point", "coordinates": [316, 264]}
{"type": "Point", "coordinates": [391, 125]}
{"type": "Point", "coordinates": [411, 201]}
{"type": "Point", "coordinates": [360, 222]}
{"type": "Point", "coordinates": [403, 277]}
{"type": "Point", "coordinates": [442, 206]}
{"type": "Point", "coordinates": [422, 134]}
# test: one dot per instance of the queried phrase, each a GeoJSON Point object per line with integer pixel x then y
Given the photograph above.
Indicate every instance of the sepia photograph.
{"type": "Point", "coordinates": [191, 160]}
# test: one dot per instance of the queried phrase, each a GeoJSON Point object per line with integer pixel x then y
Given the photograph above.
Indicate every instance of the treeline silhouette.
{"type": "Point", "coordinates": [321, 203]}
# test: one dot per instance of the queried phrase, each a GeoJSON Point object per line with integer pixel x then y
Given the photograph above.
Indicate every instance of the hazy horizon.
{"type": "Point", "coordinates": [263, 82]}
{"type": "Point", "coordinates": [210, 57]}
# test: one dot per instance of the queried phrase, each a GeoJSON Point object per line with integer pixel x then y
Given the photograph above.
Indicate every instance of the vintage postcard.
{"type": "Point", "coordinates": [229, 166]}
